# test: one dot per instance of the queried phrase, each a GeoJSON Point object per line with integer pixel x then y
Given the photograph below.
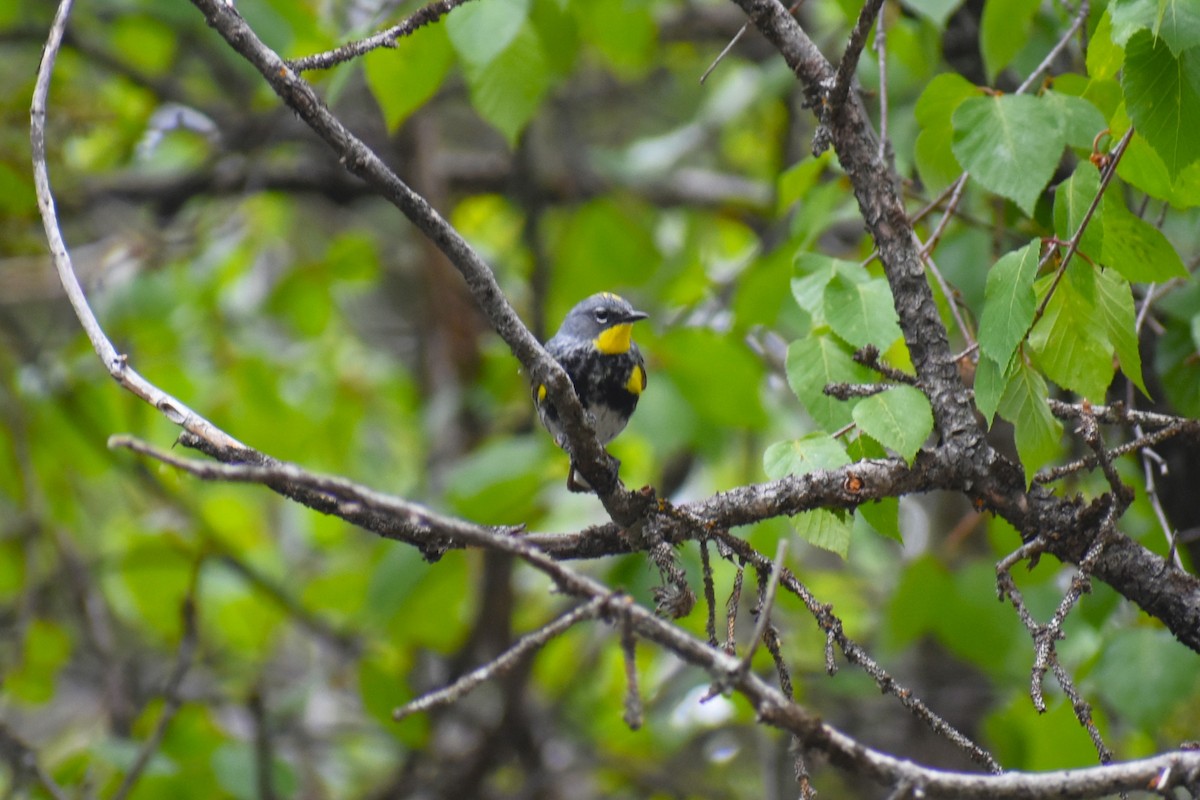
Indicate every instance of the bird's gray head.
{"type": "Point", "coordinates": [605, 319]}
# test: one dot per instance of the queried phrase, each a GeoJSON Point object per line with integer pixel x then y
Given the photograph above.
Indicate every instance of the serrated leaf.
{"type": "Point", "coordinates": [1135, 248]}
{"type": "Point", "coordinates": [1069, 341]}
{"type": "Point", "coordinates": [861, 312]}
{"type": "Point", "coordinates": [809, 453]}
{"type": "Point", "coordinates": [480, 32]}
{"type": "Point", "coordinates": [900, 419]}
{"type": "Point", "coordinates": [934, 111]}
{"type": "Point", "coordinates": [817, 360]}
{"type": "Point", "coordinates": [1176, 21]}
{"type": "Point", "coordinates": [1036, 430]}
{"type": "Point", "coordinates": [1009, 303]}
{"type": "Point", "coordinates": [828, 530]}
{"type": "Point", "coordinates": [1162, 95]}
{"type": "Point", "coordinates": [1003, 31]}
{"type": "Point", "coordinates": [401, 80]}
{"type": "Point", "coordinates": [1072, 199]}
{"type": "Point", "coordinates": [1114, 298]}
{"type": "Point", "coordinates": [1011, 144]}
{"type": "Point", "coordinates": [1142, 168]}
{"type": "Point", "coordinates": [508, 90]}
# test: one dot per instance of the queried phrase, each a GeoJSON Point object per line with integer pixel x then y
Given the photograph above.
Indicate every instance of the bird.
{"type": "Point", "coordinates": [595, 347]}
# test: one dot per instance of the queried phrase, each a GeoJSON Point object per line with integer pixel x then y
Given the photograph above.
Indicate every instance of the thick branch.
{"type": "Point", "coordinates": [976, 469]}
{"type": "Point", "coordinates": [770, 704]}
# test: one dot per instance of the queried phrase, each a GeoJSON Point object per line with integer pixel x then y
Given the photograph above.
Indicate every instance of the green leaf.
{"type": "Point", "coordinates": [44, 652]}
{"type": "Point", "coordinates": [936, 11]}
{"type": "Point", "coordinates": [1176, 21]}
{"type": "Point", "coordinates": [813, 273]}
{"type": "Point", "coordinates": [1104, 56]}
{"type": "Point", "coordinates": [1069, 341]}
{"type": "Point", "coordinates": [717, 373]}
{"type": "Point", "coordinates": [828, 530]}
{"type": "Point", "coordinates": [1145, 672]}
{"type": "Point", "coordinates": [480, 32]}
{"type": "Point", "coordinates": [861, 312]}
{"type": "Point", "coordinates": [990, 383]}
{"type": "Point", "coordinates": [1114, 299]}
{"type": "Point", "coordinates": [1009, 303]}
{"type": "Point", "coordinates": [1072, 199]}
{"type": "Point", "coordinates": [1081, 119]}
{"type": "Point", "coordinates": [235, 767]}
{"type": "Point", "coordinates": [401, 80]}
{"type": "Point", "coordinates": [883, 516]}
{"type": "Point", "coordinates": [809, 453]}
{"type": "Point", "coordinates": [1130, 16]}
{"type": "Point", "coordinates": [1162, 94]}
{"type": "Point", "coordinates": [795, 181]}
{"type": "Point", "coordinates": [1036, 430]}
{"type": "Point", "coordinates": [602, 245]}
{"type": "Point", "coordinates": [508, 90]}
{"type": "Point", "coordinates": [558, 33]}
{"type": "Point", "coordinates": [817, 360]}
{"type": "Point", "coordinates": [900, 419]}
{"type": "Point", "coordinates": [497, 484]}
{"type": "Point", "coordinates": [623, 31]}
{"type": "Point", "coordinates": [1135, 248]}
{"type": "Point", "coordinates": [1011, 144]}
{"type": "Point", "coordinates": [918, 602]}
{"type": "Point", "coordinates": [1003, 31]}
{"type": "Point", "coordinates": [935, 108]}
{"type": "Point", "coordinates": [1142, 168]}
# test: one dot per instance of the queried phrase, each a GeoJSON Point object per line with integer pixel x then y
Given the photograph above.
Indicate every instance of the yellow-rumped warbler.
{"type": "Point", "coordinates": [595, 347]}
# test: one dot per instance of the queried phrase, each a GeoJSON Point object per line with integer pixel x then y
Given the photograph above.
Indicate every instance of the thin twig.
{"type": "Point", "coordinates": [1142, 442]}
{"type": "Point", "coordinates": [766, 603]}
{"type": "Point", "coordinates": [633, 696]}
{"type": "Point", "coordinates": [724, 52]}
{"type": "Point", "coordinates": [855, 654]}
{"type": "Point", "coordinates": [264, 750]}
{"type": "Point", "coordinates": [24, 762]}
{"type": "Point", "coordinates": [885, 144]}
{"type": "Point", "coordinates": [172, 697]}
{"type": "Point", "coordinates": [710, 595]}
{"type": "Point", "coordinates": [422, 17]}
{"type": "Point", "coordinates": [116, 363]}
{"type": "Point", "coordinates": [858, 39]}
{"type": "Point", "coordinates": [504, 662]}
{"type": "Point", "coordinates": [1106, 177]}
{"type": "Point", "coordinates": [1054, 51]}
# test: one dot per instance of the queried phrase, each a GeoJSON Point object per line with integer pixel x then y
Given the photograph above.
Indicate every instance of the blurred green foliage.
{"type": "Point", "coordinates": [311, 322]}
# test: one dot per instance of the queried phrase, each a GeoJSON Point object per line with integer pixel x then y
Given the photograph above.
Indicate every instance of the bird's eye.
{"type": "Point", "coordinates": [601, 315]}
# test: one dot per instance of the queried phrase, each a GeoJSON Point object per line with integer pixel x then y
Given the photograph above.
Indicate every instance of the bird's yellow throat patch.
{"type": "Point", "coordinates": [615, 340]}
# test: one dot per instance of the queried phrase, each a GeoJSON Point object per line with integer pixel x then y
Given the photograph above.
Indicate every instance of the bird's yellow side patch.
{"type": "Point", "coordinates": [541, 393]}
{"type": "Point", "coordinates": [615, 340]}
{"type": "Point", "coordinates": [637, 380]}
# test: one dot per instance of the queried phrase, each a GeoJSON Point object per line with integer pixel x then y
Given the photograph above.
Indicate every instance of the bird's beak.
{"type": "Point", "coordinates": [634, 316]}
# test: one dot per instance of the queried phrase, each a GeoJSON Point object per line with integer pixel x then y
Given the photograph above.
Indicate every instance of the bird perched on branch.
{"type": "Point", "coordinates": [595, 347]}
